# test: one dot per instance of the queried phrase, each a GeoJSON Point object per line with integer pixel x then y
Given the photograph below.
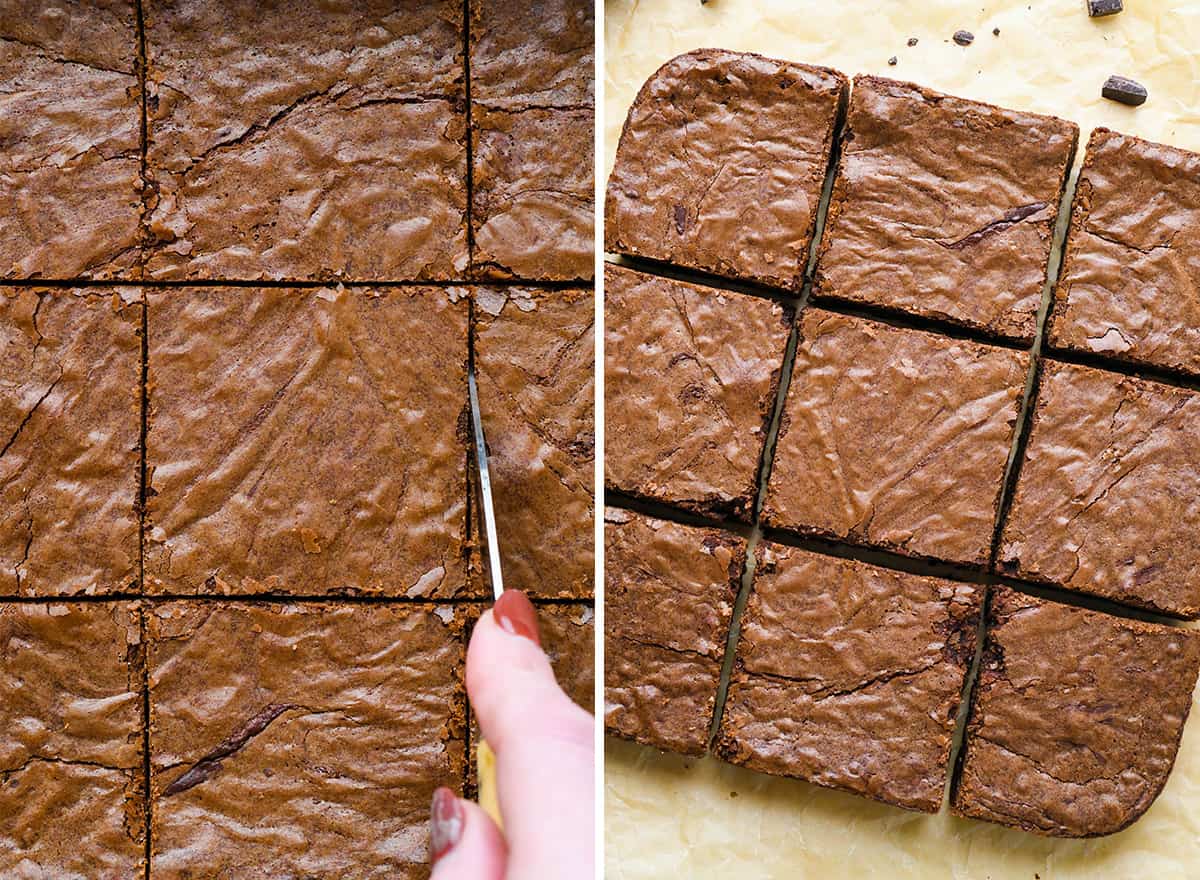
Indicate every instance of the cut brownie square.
{"type": "Point", "coordinates": [534, 362]}
{"type": "Point", "coordinates": [532, 53]}
{"type": "Point", "coordinates": [850, 676]}
{"type": "Point", "coordinates": [669, 594]}
{"type": "Point", "coordinates": [70, 125]}
{"type": "Point", "coordinates": [691, 375]}
{"type": "Point", "coordinates": [533, 211]}
{"type": "Point", "coordinates": [895, 438]}
{"type": "Point", "coordinates": [1132, 261]}
{"type": "Point", "coordinates": [721, 163]}
{"type": "Point", "coordinates": [1109, 492]}
{"type": "Point", "coordinates": [70, 425]}
{"type": "Point", "coordinates": [348, 125]}
{"type": "Point", "coordinates": [307, 441]}
{"type": "Point", "coordinates": [301, 742]}
{"type": "Point", "coordinates": [71, 782]}
{"type": "Point", "coordinates": [1075, 719]}
{"type": "Point", "coordinates": [944, 207]}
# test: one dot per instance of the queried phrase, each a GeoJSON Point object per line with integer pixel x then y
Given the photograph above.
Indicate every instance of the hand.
{"type": "Point", "coordinates": [545, 757]}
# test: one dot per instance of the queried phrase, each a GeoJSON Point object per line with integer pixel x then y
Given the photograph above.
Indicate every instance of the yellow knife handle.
{"type": "Point", "coordinates": [485, 770]}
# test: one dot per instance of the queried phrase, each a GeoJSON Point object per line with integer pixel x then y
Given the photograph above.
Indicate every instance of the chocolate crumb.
{"type": "Point", "coordinates": [912, 41]}
{"type": "Point", "coordinates": [1124, 91]}
{"type": "Point", "coordinates": [893, 61]}
{"type": "Point", "coordinates": [995, 32]}
{"type": "Point", "coordinates": [1099, 8]}
{"type": "Point", "coordinates": [964, 38]}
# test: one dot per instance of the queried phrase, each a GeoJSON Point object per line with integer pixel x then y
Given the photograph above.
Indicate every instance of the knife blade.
{"type": "Point", "coordinates": [485, 491]}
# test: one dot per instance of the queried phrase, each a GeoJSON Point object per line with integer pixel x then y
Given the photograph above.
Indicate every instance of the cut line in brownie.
{"type": "Point", "coordinates": [669, 596]}
{"type": "Point", "coordinates": [289, 741]}
{"type": "Point", "coordinates": [348, 126]}
{"type": "Point", "coordinates": [72, 787]}
{"type": "Point", "coordinates": [307, 441]}
{"type": "Point", "coordinates": [691, 375]}
{"type": "Point", "coordinates": [895, 438]}
{"type": "Point", "coordinates": [849, 676]}
{"type": "Point", "coordinates": [944, 208]}
{"type": "Point", "coordinates": [70, 170]}
{"type": "Point", "coordinates": [1075, 720]}
{"type": "Point", "coordinates": [721, 163]}
{"type": "Point", "coordinates": [1109, 491]}
{"type": "Point", "coordinates": [534, 364]}
{"type": "Point", "coordinates": [1132, 260]}
{"type": "Point", "coordinates": [70, 430]}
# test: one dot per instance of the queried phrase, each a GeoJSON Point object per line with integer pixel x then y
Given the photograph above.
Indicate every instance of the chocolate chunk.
{"type": "Point", "coordinates": [1098, 8]}
{"type": "Point", "coordinates": [912, 41]}
{"type": "Point", "coordinates": [892, 61]}
{"type": "Point", "coordinates": [995, 32]}
{"type": "Point", "coordinates": [964, 38]}
{"type": "Point", "coordinates": [1124, 91]}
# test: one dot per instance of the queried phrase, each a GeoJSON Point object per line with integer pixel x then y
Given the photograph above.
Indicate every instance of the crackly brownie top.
{"type": "Point", "coordinates": [1132, 260]}
{"type": "Point", "coordinates": [71, 741]}
{"type": "Point", "coordinates": [721, 163]}
{"type": "Point", "coordinates": [944, 207]}
{"type": "Point", "coordinates": [534, 353]}
{"type": "Point", "coordinates": [690, 377]}
{"type": "Point", "coordinates": [1076, 717]}
{"type": "Point", "coordinates": [70, 400]}
{"type": "Point", "coordinates": [849, 675]}
{"type": "Point", "coordinates": [288, 452]}
{"type": "Point", "coordinates": [258, 710]}
{"type": "Point", "coordinates": [568, 635]}
{"type": "Point", "coordinates": [942, 409]}
{"type": "Point", "coordinates": [532, 53]}
{"type": "Point", "coordinates": [1107, 495]}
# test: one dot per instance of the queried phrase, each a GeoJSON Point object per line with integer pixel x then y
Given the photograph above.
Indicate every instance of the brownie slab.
{"type": "Point", "coordinates": [532, 53]}
{"type": "Point", "coordinates": [721, 163]}
{"type": "Point", "coordinates": [290, 741]}
{"type": "Point", "coordinates": [849, 676]}
{"type": "Point", "coordinates": [1132, 261]}
{"type": "Point", "coordinates": [71, 782]}
{"type": "Point", "coordinates": [307, 441]}
{"type": "Point", "coordinates": [70, 123]}
{"type": "Point", "coordinates": [669, 594]}
{"type": "Point", "coordinates": [944, 207]}
{"type": "Point", "coordinates": [1108, 494]}
{"type": "Point", "coordinates": [1075, 719]}
{"type": "Point", "coordinates": [348, 125]}
{"type": "Point", "coordinates": [70, 425]}
{"type": "Point", "coordinates": [534, 362]}
{"type": "Point", "coordinates": [895, 438]}
{"type": "Point", "coordinates": [691, 374]}
{"type": "Point", "coordinates": [533, 194]}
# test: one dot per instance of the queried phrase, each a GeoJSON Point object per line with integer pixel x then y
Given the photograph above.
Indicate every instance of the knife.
{"type": "Point", "coordinates": [485, 758]}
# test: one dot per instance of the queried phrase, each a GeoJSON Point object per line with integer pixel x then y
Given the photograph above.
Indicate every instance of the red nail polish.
{"type": "Point", "coordinates": [445, 823]}
{"type": "Point", "coordinates": [515, 614]}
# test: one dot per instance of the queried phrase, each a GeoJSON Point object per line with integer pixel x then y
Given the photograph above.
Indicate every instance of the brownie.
{"type": "Point", "coordinates": [1132, 259]}
{"type": "Point", "coordinates": [70, 425]}
{"type": "Point", "coordinates": [532, 53]}
{"type": "Point", "coordinates": [348, 125]}
{"type": "Point", "coordinates": [895, 438]}
{"type": "Point", "coordinates": [307, 441]}
{"type": "Point", "coordinates": [944, 207]}
{"type": "Point", "coordinates": [70, 124]}
{"type": "Point", "coordinates": [691, 375]}
{"type": "Point", "coordinates": [849, 676]}
{"type": "Point", "coordinates": [534, 362]}
{"type": "Point", "coordinates": [71, 781]}
{"type": "Point", "coordinates": [534, 193]}
{"type": "Point", "coordinates": [720, 165]}
{"type": "Point", "coordinates": [295, 741]}
{"type": "Point", "coordinates": [669, 594]}
{"type": "Point", "coordinates": [1107, 495]}
{"type": "Point", "coordinates": [1075, 719]}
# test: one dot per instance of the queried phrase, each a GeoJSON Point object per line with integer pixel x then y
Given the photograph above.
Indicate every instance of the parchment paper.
{"type": "Point", "coordinates": [670, 817]}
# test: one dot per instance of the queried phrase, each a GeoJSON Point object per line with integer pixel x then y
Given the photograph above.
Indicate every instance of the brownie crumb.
{"type": "Point", "coordinates": [964, 38]}
{"type": "Point", "coordinates": [1124, 91]}
{"type": "Point", "coordinates": [995, 32]}
{"type": "Point", "coordinates": [893, 61]}
{"type": "Point", "coordinates": [1100, 8]}
{"type": "Point", "coordinates": [912, 41]}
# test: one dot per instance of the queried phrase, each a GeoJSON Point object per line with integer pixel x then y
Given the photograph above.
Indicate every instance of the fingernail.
{"type": "Point", "coordinates": [515, 614]}
{"type": "Point", "coordinates": [445, 823]}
